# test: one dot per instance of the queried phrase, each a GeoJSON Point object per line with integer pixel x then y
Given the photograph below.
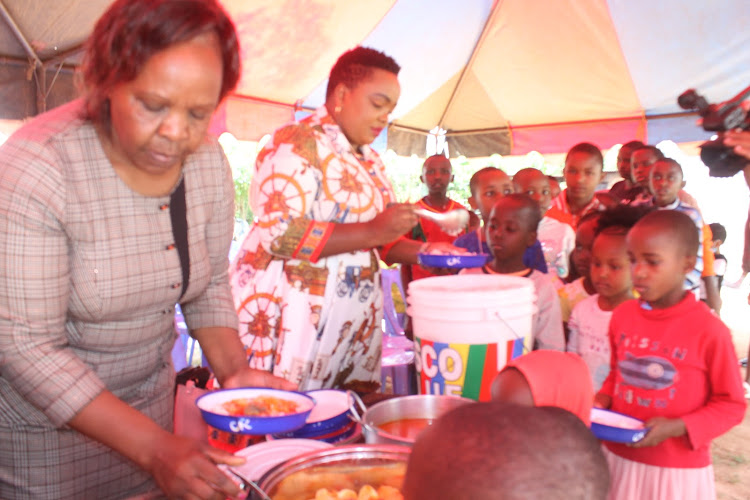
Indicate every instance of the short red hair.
{"type": "Point", "coordinates": [131, 31]}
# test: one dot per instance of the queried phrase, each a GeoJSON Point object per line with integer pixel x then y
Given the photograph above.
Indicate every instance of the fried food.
{"type": "Point", "coordinates": [261, 406]}
{"type": "Point", "coordinates": [378, 482]}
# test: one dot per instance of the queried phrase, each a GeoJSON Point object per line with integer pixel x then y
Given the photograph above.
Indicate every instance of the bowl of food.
{"type": "Point", "coordinates": [453, 261]}
{"type": "Point", "coordinates": [334, 473]}
{"type": "Point", "coordinates": [399, 420]}
{"type": "Point", "coordinates": [608, 425]}
{"type": "Point", "coordinates": [255, 410]}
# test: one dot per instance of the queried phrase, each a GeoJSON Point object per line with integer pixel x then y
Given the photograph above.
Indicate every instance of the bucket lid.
{"type": "Point", "coordinates": [471, 283]}
{"type": "Point", "coordinates": [473, 290]}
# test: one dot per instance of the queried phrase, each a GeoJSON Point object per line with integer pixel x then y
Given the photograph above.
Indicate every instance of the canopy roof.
{"type": "Point", "coordinates": [499, 76]}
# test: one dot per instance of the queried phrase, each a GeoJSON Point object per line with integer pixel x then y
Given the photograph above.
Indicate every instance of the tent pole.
{"type": "Point", "coordinates": [40, 74]}
{"type": "Point", "coordinates": [21, 38]}
{"type": "Point", "coordinates": [36, 64]}
{"type": "Point", "coordinates": [493, 13]}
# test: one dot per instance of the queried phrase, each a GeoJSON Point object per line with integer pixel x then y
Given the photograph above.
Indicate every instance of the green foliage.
{"type": "Point", "coordinates": [241, 156]}
{"type": "Point", "coordinates": [242, 208]}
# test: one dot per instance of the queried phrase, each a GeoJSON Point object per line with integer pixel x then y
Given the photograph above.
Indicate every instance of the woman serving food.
{"type": "Point", "coordinates": [112, 209]}
{"type": "Point", "coordinates": [306, 281]}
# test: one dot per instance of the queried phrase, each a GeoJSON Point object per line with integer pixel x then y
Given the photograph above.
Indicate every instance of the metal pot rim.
{"type": "Point", "coordinates": [343, 454]}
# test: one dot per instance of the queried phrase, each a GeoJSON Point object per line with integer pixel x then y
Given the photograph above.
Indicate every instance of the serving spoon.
{"type": "Point", "coordinates": [452, 222]}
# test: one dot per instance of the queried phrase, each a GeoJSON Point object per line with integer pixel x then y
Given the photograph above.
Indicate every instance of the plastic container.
{"type": "Point", "coordinates": [617, 427]}
{"type": "Point", "coordinates": [466, 328]}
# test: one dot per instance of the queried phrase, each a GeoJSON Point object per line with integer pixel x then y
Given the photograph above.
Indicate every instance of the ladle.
{"type": "Point", "coordinates": [452, 222]}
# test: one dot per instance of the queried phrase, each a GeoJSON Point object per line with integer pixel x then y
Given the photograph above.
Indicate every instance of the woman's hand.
{"type": "Point", "coordinates": [661, 428]}
{"type": "Point", "coordinates": [393, 222]}
{"type": "Point", "coordinates": [186, 469]}
{"type": "Point", "coordinates": [739, 141]}
{"type": "Point", "coordinates": [250, 377]}
{"type": "Point", "coordinates": [182, 467]}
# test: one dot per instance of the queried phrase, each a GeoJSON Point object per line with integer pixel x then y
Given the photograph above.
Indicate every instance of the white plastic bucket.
{"type": "Point", "coordinates": [466, 328]}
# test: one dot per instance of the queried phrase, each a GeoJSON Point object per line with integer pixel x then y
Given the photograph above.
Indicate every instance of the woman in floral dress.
{"type": "Point", "coordinates": [306, 280]}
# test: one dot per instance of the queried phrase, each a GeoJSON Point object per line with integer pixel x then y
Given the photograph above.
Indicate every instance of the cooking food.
{"type": "Point", "coordinates": [367, 492]}
{"type": "Point", "coordinates": [406, 427]}
{"type": "Point", "coordinates": [261, 406]}
{"type": "Point", "coordinates": [336, 482]}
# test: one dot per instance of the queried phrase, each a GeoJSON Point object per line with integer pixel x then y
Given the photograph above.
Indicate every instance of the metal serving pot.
{"type": "Point", "coordinates": [423, 406]}
{"type": "Point", "coordinates": [351, 461]}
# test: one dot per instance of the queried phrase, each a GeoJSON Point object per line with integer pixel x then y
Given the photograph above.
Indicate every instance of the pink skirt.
{"type": "Point", "coordinates": [636, 481]}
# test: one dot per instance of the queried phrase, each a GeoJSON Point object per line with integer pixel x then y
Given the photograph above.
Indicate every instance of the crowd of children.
{"type": "Point", "coordinates": [625, 272]}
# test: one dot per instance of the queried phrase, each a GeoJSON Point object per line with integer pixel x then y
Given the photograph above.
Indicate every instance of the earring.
{"type": "Point", "coordinates": [337, 110]}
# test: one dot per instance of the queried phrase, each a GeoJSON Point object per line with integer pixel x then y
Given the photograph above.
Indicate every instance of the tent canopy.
{"type": "Point", "coordinates": [498, 76]}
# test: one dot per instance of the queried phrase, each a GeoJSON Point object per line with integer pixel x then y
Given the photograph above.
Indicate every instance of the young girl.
{"type": "Point", "coordinates": [673, 366]}
{"type": "Point", "coordinates": [581, 287]}
{"type": "Point", "coordinates": [610, 274]}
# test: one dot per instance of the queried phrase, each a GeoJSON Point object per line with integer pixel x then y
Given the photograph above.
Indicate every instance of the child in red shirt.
{"type": "Point", "coordinates": [673, 366]}
{"type": "Point", "coordinates": [437, 174]}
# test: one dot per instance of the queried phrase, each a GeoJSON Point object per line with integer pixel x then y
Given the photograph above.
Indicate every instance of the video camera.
{"type": "Point", "coordinates": [729, 115]}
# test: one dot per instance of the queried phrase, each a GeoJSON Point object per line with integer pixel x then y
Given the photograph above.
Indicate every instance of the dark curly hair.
{"type": "Point", "coordinates": [620, 218]}
{"type": "Point", "coordinates": [131, 31]}
{"type": "Point", "coordinates": [355, 65]}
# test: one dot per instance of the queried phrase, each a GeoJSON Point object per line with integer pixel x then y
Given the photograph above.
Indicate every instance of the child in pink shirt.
{"type": "Point", "coordinates": [610, 274]}
{"type": "Point", "coordinates": [673, 366]}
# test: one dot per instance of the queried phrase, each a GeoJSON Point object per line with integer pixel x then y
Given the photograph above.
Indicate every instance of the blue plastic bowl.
{"type": "Point", "coordinates": [333, 437]}
{"type": "Point", "coordinates": [458, 261]}
{"type": "Point", "coordinates": [616, 427]}
{"type": "Point", "coordinates": [210, 408]}
{"type": "Point", "coordinates": [330, 414]}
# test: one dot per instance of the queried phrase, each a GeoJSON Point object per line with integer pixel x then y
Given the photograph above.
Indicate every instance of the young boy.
{"type": "Point", "coordinates": [580, 288]}
{"type": "Point", "coordinates": [610, 274]}
{"type": "Point", "coordinates": [584, 169]}
{"type": "Point", "coordinates": [641, 161]}
{"type": "Point", "coordinates": [665, 182]}
{"type": "Point", "coordinates": [511, 229]}
{"type": "Point", "coordinates": [557, 238]}
{"type": "Point", "coordinates": [487, 185]}
{"type": "Point", "coordinates": [502, 451]}
{"type": "Point", "coordinates": [437, 174]}
{"type": "Point", "coordinates": [621, 189]}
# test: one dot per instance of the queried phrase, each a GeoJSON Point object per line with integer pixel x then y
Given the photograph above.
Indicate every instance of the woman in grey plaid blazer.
{"type": "Point", "coordinates": [112, 209]}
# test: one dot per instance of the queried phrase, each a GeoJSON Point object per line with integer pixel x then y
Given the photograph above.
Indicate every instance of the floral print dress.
{"type": "Point", "coordinates": [315, 321]}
